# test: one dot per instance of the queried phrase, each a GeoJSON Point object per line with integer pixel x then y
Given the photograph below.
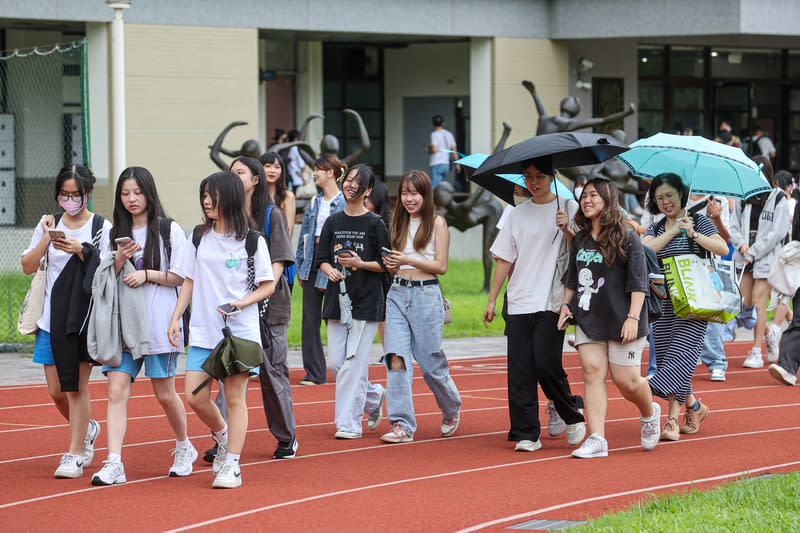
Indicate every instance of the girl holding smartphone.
{"type": "Point", "coordinates": [216, 272]}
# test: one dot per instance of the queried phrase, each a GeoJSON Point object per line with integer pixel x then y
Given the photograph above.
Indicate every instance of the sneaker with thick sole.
{"type": "Point", "coordinates": [70, 467]}
{"type": "Point", "coordinates": [694, 419]}
{"type": "Point", "coordinates": [782, 375]}
{"type": "Point", "coordinates": [576, 432]}
{"type": "Point", "coordinates": [228, 477]}
{"type": "Point", "coordinates": [718, 374]}
{"type": "Point", "coordinates": [396, 435]}
{"type": "Point", "coordinates": [183, 464]}
{"type": "Point", "coordinates": [594, 446]}
{"type": "Point", "coordinates": [450, 425]}
{"type": "Point", "coordinates": [555, 424]}
{"type": "Point", "coordinates": [286, 450]}
{"type": "Point", "coordinates": [87, 450]}
{"type": "Point", "coordinates": [219, 459]}
{"type": "Point", "coordinates": [670, 431]}
{"type": "Point", "coordinates": [376, 415]}
{"type": "Point", "coordinates": [307, 382]}
{"type": "Point", "coordinates": [753, 360]}
{"type": "Point", "coordinates": [528, 446]}
{"type": "Point", "coordinates": [347, 435]}
{"type": "Point", "coordinates": [112, 473]}
{"type": "Point", "coordinates": [650, 428]}
{"type": "Point", "coordinates": [772, 338]}
{"type": "Point", "coordinates": [209, 454]}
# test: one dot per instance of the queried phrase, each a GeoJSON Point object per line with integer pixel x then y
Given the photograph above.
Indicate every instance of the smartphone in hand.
{"type": "Point", "coordinates": [122, 241]}
{"type": "Point", "coordinates": [385, 249]}
{"type": "Point", "coordinates": [563, 322]}
{"type": "Point", "coordinates": [228, 309]}
{"type": "Point", "coordinates": [56, 234]}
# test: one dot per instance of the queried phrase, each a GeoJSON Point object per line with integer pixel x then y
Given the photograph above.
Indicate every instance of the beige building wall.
{"type": "Point", "coordinates": [544, 62]}
{"type": "Point", "coordinates": [183, 86]}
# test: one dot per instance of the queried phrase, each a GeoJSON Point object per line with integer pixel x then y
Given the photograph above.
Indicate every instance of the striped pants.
{"type": "Point", "coordinates": [678, 343]}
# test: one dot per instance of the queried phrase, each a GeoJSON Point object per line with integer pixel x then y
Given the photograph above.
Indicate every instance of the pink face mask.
{"type": "Point", "coordinates": [72, 206]}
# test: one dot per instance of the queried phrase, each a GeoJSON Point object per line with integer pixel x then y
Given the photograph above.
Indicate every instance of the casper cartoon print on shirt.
{"type": "Point", "coordinates": [587, 285]}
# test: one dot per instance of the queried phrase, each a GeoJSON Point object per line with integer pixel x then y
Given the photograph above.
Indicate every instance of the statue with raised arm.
{"type": "Point", "coordinates": [249, 148]}
{"type": "Point", "coordinates": [330, 144]}
{"type": "Point", "coordinates": [481, 207]}
{"type": "Point", "coordinates": [570, 108]}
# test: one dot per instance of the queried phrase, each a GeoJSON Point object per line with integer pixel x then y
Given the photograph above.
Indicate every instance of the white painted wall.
{"type": "Point", "coordinates": [480, 97]}
{"type": "Point", "coordinates": [99, 126]}
{"type": "Point", "coordinates": [419, 70]}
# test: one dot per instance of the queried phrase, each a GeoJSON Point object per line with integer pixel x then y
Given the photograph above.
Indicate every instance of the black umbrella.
{"type": "Point", "coordinates": [232, 355]}
{"type": "Point", "coordinates": [548, 152]}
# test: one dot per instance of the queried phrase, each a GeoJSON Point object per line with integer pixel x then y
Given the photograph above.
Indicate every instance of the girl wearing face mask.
{"type": "Point", "coordinates": [59, 346]}
{"type": "Point", "coordinates": [349, 251]}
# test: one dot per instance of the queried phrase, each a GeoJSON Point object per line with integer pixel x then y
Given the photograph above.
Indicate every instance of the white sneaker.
{"type": "Point", "coordinates": [112, 473]}
{"type": "Point", "coordinates": [70, 466]}
{"type": "Point", "coordinates": [651, 428]}
{"type": "Point", "coordinates": [87, 450]}
{"type": "Point", "coordinates": [555, 424]}
{"type": "Point", "coordinates": [219, 459]}
{"type": "Point", "coordinates": [718, 374]}
{"type": "Point", "coordinates": [753, 359]}
{"type": "Point", "coordinates": [376, 415]}
{"type": "Point", "coordinates": [576, 432]}
{"type": "Point", "coordinates": [397, 434]}
{"type": "Point", "coordinates": [229, 477]}
{"type": "Point", "coordinates": [183, 464]}
{"type": "Point", "coordinates": [772, 339]}
{"type": "Point", "coordinates": [782, 375]}
{"type": "Point", "coordinates": [528, 446]}
{"type": "Point", "coordinates": [348, 435]}
{"type": "Point", "coordinates": [594, 446]}
{"type": "Point", "coordinates": [449, 426]}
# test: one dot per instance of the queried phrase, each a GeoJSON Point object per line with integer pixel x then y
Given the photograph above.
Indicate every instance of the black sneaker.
{"type": "Point", "coordinates": [286, 450]}
{"type": "Point", "coordinates": [210, 453]}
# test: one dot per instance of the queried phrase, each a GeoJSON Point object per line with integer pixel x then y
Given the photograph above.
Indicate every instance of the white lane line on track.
{"type": "Point", "coordinates": [386, 484]}
{"type": "Point", "coordinates": [602, 497]}
{"type": "Point", "coordinates": [444, 475]}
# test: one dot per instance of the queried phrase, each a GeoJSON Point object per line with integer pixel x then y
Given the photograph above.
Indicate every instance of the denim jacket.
{"type": "Point", "coordinates": [304, 258]}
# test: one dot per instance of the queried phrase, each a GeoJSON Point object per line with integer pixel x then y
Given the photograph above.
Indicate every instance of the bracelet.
{"type": "Point", "coordinates": [630, 315]}
{"type": "Point", "coordinates": [146, 276]}
{"type": "Point", "coordinates": [563, 304]}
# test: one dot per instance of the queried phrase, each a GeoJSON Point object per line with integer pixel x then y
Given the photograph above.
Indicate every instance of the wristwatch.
{"type": "Point", "coordinates": [695, 235]}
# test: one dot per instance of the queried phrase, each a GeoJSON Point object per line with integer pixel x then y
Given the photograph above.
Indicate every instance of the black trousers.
{"type": "Point", "coordinates": [534, 358]}
{"type": "Point", "coordinates": [790, 341]}
{"type": "Point", "coordinates": [313, 356]}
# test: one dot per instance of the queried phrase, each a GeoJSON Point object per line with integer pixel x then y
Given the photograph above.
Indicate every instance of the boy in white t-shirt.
{"type": "Point", "coordinates": [535, 240]}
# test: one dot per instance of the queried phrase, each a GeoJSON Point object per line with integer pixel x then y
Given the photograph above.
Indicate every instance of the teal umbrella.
{"type": "Point", "coordinates": [707, 167]}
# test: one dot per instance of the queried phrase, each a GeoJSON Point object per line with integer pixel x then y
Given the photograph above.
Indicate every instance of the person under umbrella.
{"type": "Point", "coordinates": [534, 294]}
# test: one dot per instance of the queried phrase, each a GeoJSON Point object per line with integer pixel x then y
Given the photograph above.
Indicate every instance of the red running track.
{"type": "Point", "coordinates": [471, 481]}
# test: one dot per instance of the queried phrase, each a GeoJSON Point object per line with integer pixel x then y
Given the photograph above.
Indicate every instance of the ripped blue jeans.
{"type": "Point", "coordinates": [414, 322]}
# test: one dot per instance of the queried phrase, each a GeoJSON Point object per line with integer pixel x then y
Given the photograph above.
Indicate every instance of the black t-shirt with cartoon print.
{"type": "Point", "coordinates": [365, 235]}
{"type": "Point", "coordinates": [602, 296]}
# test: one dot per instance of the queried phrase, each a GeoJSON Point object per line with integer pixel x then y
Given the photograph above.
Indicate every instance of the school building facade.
{"type": "Point", "coordinates": [194, 66]}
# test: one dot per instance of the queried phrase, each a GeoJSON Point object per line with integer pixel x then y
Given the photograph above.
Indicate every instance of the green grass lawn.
{"type": "Point", "coordinates": [461, 285]}
{"type": "Point", "coordinates": [755, 504]}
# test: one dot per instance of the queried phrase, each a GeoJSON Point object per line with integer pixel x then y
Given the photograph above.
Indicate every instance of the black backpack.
{"type": "Point", "coordinates": [164, 228]}
{"type": "Point", "coordinates": [657, 290]}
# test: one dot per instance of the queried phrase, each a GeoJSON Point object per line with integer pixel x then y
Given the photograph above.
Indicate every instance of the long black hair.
{"type": "Point", "coordinates": [84, 180]}
{"type": "Point", "coordinates": [227, 196]}
{"type": "Point", "coordinates": [281, 186]}
{"type": "Point", "coordinates": [364, 175]}
{"type": "Point", "coordinates": [260, 199]}
{"type": "Point", "coordinates": [123, 221]}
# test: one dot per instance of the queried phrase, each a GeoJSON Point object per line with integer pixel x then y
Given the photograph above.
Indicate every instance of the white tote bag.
{"type": "Point", "coordinates": [33, 305]}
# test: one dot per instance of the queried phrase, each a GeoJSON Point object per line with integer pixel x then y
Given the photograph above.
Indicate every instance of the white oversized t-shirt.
{"type": "Point", "coordinates": [219, 272]}
{"type": "Point", "coordinates": [161, 299]}
{"type": "Point", "coordinates": [57, 259]}
{"type": "Point", "coordinates": [531, 240]}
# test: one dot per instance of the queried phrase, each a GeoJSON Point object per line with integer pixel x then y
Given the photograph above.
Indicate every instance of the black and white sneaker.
{"type": "Point", "coordinates": [229, 477]}
{"type": "Point", "coordinates": [87, 450]}
{"type": "Point", "coordinates": [286, 450]}
{"type": "Point", "coordinates": [112, 473]}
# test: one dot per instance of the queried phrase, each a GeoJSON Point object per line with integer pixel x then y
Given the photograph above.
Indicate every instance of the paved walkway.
{"type": "Point", "coordinates": [19, 369]}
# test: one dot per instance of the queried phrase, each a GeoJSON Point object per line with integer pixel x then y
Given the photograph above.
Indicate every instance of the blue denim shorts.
{"type": "Point", "coordinates": [162, 365]}
{"type": "Point", "coordinates": [196, 357]}
{"type": "Point", "coordinates": [42, 351]}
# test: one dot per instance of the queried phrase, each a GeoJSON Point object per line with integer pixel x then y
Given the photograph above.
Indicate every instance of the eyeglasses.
{"type": "Point", "coordinates": [64, 197]}
{"type": "Point", "coordinates": [669, 196]}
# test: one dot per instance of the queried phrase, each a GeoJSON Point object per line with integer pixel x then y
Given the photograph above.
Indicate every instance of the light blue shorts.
{"type": "Point", "coordinates": [42, 351]}
{"type": "Point", "coordinates": [161, 365]}
{"type": "Point", "coordinates": [195, 357]}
